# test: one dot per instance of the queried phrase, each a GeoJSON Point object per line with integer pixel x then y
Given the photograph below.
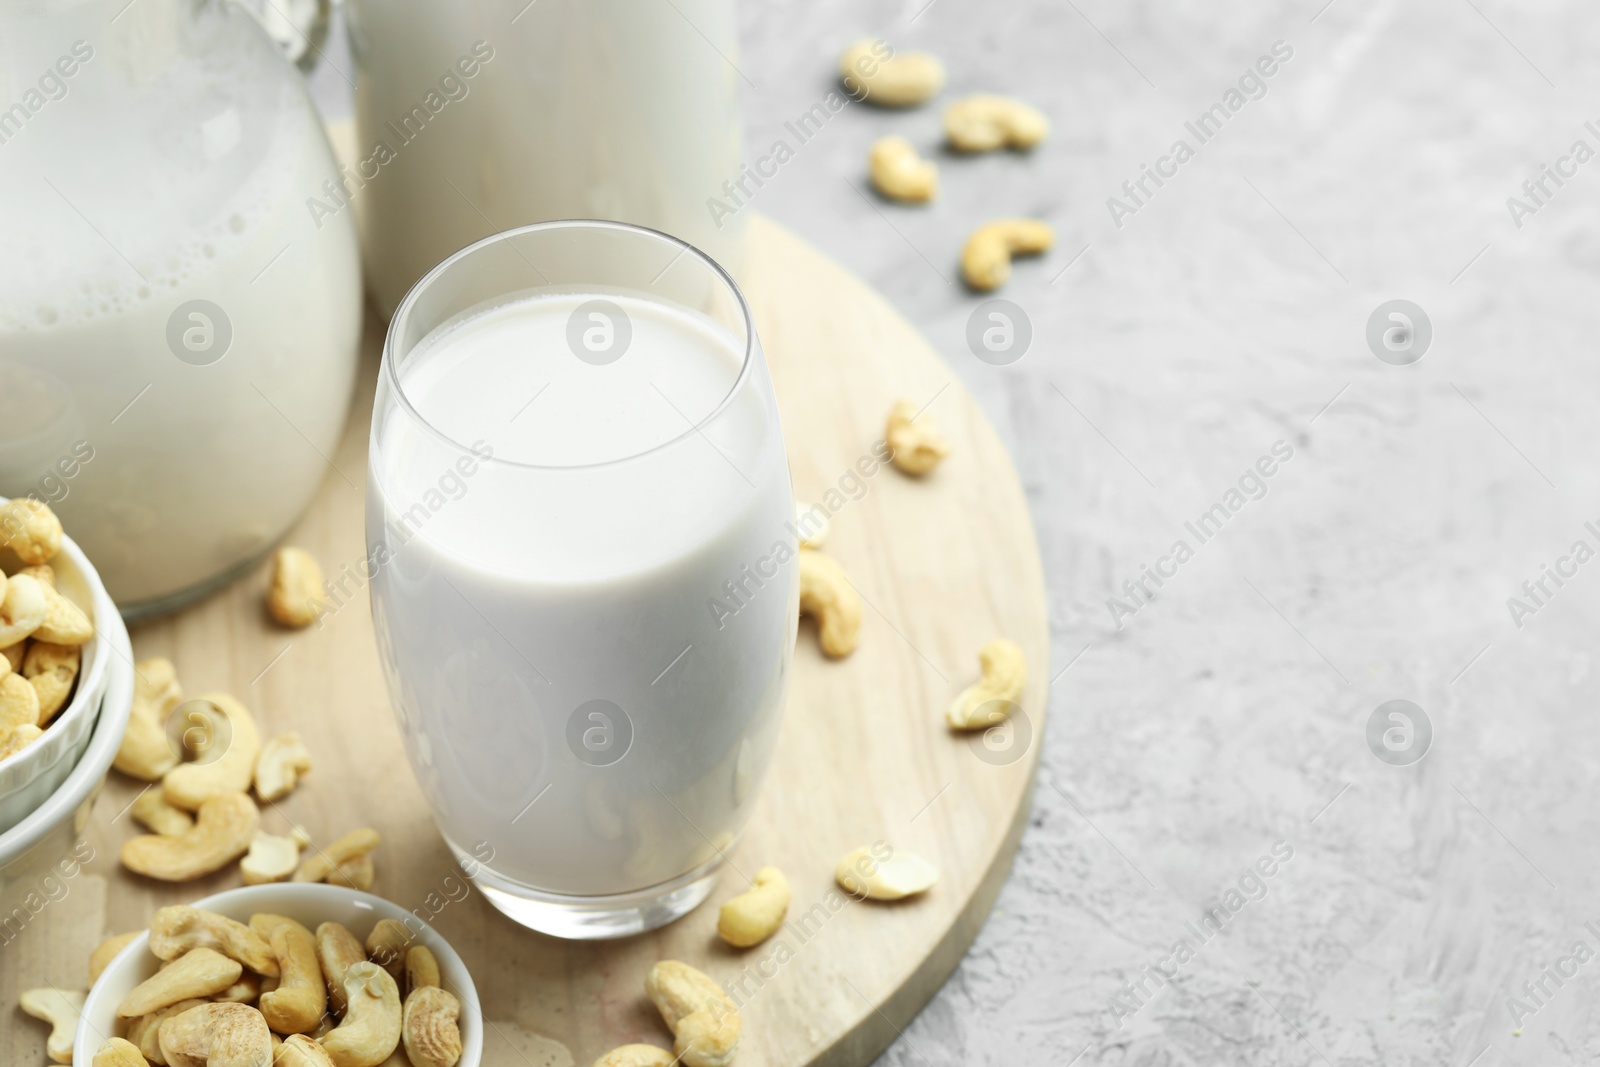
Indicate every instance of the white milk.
{"type": "Point", "coordinates": [475, 116]}
{"type": "Point", "coordinates": [517, 595]}
{"type": "Point", "coordinates": [175, 168]}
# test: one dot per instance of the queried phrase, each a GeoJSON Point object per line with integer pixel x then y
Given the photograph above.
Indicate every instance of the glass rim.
{"type": "Point", "coordinates": [391, 374]}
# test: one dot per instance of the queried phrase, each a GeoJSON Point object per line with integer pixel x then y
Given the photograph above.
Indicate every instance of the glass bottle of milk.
{"type": "Point", "coordinates": [583, 567]}
{"type": "Point", "coordinates": [178, 334]}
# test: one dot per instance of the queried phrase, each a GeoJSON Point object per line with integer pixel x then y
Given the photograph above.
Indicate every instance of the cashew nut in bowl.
{"type": "Point", "coordinates": [984, 123]}
{"type": "Point", "coordinates": [199, 973]}
{"type": "Point", "coordinates": [177, 929]}
{"type": "Point", "coordinates": [59, 1008]}
{"type": "Point", "coordinates": [915, 443]}
{"type": "Point", "coordinates": [16, 738]}
{"type": "Point", "coordinates": [432, 1029]}
{"type": "Point", "coordinates": [19, 702]}
{"type": "Point", "coordinates": [52, 670]}
{"type": "Point", "coordinates": [371, 1028]}
{"type": "Point", "coordinates": [986, 257]}
{"type": "Point", "coordinates": [899, 173]}
{"type": "Point", "coordinates": [337, 951]}
{"type": "Point", "coordinates": [386, 946]}
{"type": "Point", "coordinates": [874, 72]}
{"type": "Point", "coordinates": [301, 999]}
{"type": "Point", "coordinates": [222, 832]}
{"type": "Point", "coordinates": [217, 1035]}
{"type": "Point", "coordinates": [705, 1023]}
{"type": "Point", "coordinates": [827, 596]}
{"type": "Point", "coordinates": [229, 771]}
{"type": "Point", "coordinates": [422, 968]}
{"type": "Point", "coordinates": [299, 1050]}
{"type": "Point", "coordinates": [64, 622]}
{"type": "Point", "coordinates": [23, 609]}
{"type": "Point", "coordinates": [989, 700]}
{"type": "Point", "coordinates": [119, 1052]}
{"type": "Point", "coordinates": [30, 529]}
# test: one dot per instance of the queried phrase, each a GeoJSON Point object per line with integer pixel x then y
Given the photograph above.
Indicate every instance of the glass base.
{"type": "Point", "coordinates": [596, 918]}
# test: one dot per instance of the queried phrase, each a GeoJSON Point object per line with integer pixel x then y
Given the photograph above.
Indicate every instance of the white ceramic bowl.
{"type": "Point", "coordinates": [42, 855]}
{"type": "Point", "coordinates": [30, 776]}
{"type": "Point", "coordinates": [308, 903]}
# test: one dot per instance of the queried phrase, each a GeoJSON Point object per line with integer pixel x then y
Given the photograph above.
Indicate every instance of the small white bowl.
{"type": "Point", "coordinates": [30, 776]}
{"type": "Point", "coordinates": [45, 851]}
{"type": "Point", "coordinates": [309, 903]}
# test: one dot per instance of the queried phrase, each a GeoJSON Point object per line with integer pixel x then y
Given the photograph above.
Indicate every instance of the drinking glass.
{"type": "Point", "coordinates": [582, 562]}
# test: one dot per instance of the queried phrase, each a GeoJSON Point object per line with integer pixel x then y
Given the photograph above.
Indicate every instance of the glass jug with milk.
{"type": "Point", "coordinates": [178, 334]}
{"type": "Point", "coordinates": [477, 116]}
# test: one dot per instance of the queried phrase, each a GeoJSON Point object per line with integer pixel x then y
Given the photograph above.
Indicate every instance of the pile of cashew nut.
{"type": "Point", "coordinates": [202, 817]}
{"type": "Point", "coordinates": [42, 632]}
{"type": "Point", "coordinates": [269, 991]}
{"type": "Point", "coordinates": [875, 73]}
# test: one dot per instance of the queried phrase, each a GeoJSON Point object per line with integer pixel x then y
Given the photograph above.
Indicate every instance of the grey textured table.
{"type": "Point", "coordinates": [1199, 737]}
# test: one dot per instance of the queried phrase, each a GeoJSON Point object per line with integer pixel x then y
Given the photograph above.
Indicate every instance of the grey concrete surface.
{"type": "Point", "coordinates": [1228, 312]}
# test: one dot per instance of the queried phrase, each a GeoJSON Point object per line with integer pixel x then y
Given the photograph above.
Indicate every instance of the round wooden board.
{"type": "Point", "coordinates": [944, 564]}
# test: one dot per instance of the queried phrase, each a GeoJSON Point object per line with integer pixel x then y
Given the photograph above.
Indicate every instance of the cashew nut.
{"type": "Point", "coordinates": [222, 831]}
{"type": "Point", "coordinates": [422, 968]}
{"type": "Point", "coordinates": [14, 739]}
{"type": "Point", "coordinates": [59, 1008]}
{"type": "Point", "coordinates": [899, 875]}
{"type": "Point", "coordinates": [178, 929]}
{"type": "Point", "coordinates": [899, 173]}
{"type": "Point", "coordinates": [230, 770]}
{"type": "Point", "coordinates": [119, 1052]}
{"type": "Point", "coordinates": [281, 763]}
{"type": "Point", "coordinates": [358, 873]}
{"type": "Point", "coordinates": [984, 123]}
{"type": "Point", "coordinates": [386, 946]}
{"type": "Point", "coordinates": [301, 999]}
{"type": "Point", "coordinates": [13, 653]}
{"type": "Point", "coordinates": [64, 622]}
{"type": "Point", "coordinates": [146, 754]}
{"type": "Point", "coordinates": [271, 859]}
{"type": "Point", "coordinates": [30, 529]}
{"type": "Point", "coordinates": [352, 846]}
{"type": "Point", "coordinates": [23, 609]}
{"type": "Point", "coordinates": [432, 1028]}
{"type": "Point", "coordinates": [986, 257]}
{"type": "Point", "coordinates": [370, 1031]}
{"type": "Point", "coordinates": [637, 1056]}
{"type": "Point", "coordinates": [705, 1023]}
{"type": "Point", "coordinates": [151, 810]}
{"type": "Point", "coordinates": [107, 951]}
{"type": "Point", "coordinates": [811, 527]}
{"type": "Point", "coordinates": [827, 596]}
{"type": "Point", "coordinates": [915, 443]}
{"type": "Point", "coordinates": [264, 922]}
{"type": "Point", "coordinates": [337, 952]}
{"type": "Point", "coordinates": [299, 1050]}
{"type": "Point", "coordinates": [52, 670]}
{"type": "Point", "coordinates": [295, 597]}
{"type": "Point", "coordinates": [873, 72]}
{"type": "Point", "coordinates": [247, 990]}
{"type": "Point", "coordinates": [199, 973]}
{"type": "Point", "coordinates": [145, 1031]}
{"type": "Point", "coordinates": [991, 698]}
{"type": "Point", "coordinates": [757, 913]}
{"type": "Point", "coordinates": [19, 702]}
{"type": "Point", "coordinates": [217, 1035]}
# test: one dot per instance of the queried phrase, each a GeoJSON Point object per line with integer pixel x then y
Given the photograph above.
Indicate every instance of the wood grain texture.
{"type": "Point", "coordinates": [944, 564]}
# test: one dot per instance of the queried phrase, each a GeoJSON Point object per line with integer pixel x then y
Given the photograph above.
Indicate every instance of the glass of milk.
{"type": "Point", "coordinates": [582, 562]}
